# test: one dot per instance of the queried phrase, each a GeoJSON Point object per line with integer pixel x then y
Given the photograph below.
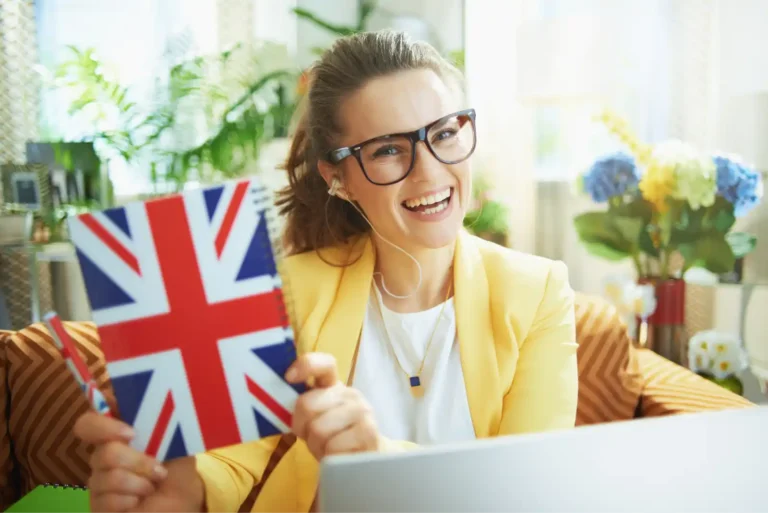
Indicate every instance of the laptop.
{"type": "Point", "coordinates": [716, 461]}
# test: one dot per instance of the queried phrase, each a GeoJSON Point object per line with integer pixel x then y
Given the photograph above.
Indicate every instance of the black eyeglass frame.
{"type": "Point", "coordinates": [418, 135]}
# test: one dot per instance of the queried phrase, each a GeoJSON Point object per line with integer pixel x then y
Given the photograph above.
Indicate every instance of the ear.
{"type": "Point", "coordinates": [327, 171]}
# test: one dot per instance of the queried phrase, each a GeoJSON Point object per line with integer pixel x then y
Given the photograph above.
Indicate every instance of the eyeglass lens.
{"type": "Point", "coordinates": [388, 159]}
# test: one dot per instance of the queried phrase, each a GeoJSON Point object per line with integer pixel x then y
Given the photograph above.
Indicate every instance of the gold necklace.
{"type": "Point", "coordinates": [417, 390]}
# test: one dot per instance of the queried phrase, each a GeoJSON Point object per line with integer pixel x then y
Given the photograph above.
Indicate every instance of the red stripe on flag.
{"type": "Point", "coordinates": [160, 427]}
{"type": "Point", "coordinates": [113, 244]}
{"type": "Point", "coordinates": [268, 401]}
{"type": "Point", "coordinates": [229, 217]}
{"type": "Point", "coordinates": [70, 349]}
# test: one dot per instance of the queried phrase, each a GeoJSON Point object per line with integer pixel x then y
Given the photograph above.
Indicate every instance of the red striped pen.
{"type": "Point", "coordinates": [75, 362]}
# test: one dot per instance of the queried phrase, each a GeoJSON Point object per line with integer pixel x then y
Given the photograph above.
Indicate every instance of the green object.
{"type": "Point", "coordinates": [50, 498]}
{"type": "Point", "coordinates": [489, 218]}
{"type": "Point", "coordinates": [239, 99]}
{"type": "Point", "coordinates": [731, 383]}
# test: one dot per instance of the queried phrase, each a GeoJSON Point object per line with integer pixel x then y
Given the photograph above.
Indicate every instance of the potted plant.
{"type": "Point", "coordinates": [239, 98]}
{"type": "Point", "coordinates": [667, 208]}
{"type": "Point", "coordinates": [487, 218]}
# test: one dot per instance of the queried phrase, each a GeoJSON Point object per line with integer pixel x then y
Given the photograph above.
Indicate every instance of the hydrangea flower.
{"type": "Point", "coordinates": [694, 176]}
{"type": "Point", "coordinates": [741, 186]}
{"type": "Point", "coordinates": [610, 176]}
{"type": "Point", "coordinates": [657, 184]}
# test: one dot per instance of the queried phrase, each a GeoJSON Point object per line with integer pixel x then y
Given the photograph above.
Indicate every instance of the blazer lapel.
{"type": "Point", "coordinates": [340, 332]}
{"type": "Point", "coordinates": [475, 333]}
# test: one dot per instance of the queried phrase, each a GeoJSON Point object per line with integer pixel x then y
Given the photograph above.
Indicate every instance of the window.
{"type": "Point", "coordinates": [578, 58]}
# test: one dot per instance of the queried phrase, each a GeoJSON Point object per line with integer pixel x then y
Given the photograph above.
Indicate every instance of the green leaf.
{"type": "Point", "coordinates": [710, 251]}
{"type": "Point", "coordinates": [601, 236]}
{"type": "Point", "coordinates": [367, 7]}
{"type": "Point", "coordinates": [604, 251]}
{"type": "Point", "coordinates": [638, 208]}
{"type": "Point", "coordinates": [724, 221]}
{"type": "Point", "coordinates": [339, 30]}
{"type": "Point", "coordinates": [741, 243]}
{"type": "Point", "coordinates": [720, 216]}
{"type": "Point", "coordinates": [645, 243]}
{"type": "Point", "coordinates": [491, 218]}
{"type": "Point", "coordinates": [629, 228]}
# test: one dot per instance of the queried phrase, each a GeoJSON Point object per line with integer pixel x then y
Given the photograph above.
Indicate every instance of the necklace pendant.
{"type": "Point", "coordinates": [416, 389]}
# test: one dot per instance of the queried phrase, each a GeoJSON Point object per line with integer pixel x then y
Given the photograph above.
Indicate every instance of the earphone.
{"type": "Point", "coordinates": [336, 189]}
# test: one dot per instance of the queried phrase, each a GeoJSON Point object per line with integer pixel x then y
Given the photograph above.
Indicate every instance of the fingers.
{"type": "Point", "coordinates": [313, 403]}
{"type": "Point", "coordinates": [114, 502]}
{"type": "Point", "coordinates": [330, 424]}
{"type": "Point", "coordinates": [120, 481]}
{"type": "Point", "coordinates": [362, 436]}
{"type": "Point", "coordinates": [118, 455]}
{"type": "Point", "coordinates": [97, 429]}
{"type": "Point", "coordinates": [319, 367]}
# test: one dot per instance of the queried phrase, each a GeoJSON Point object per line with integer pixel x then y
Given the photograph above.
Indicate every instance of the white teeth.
{"type": "Point", "coordinates": [434, 210]}
{"type": "Point", "coordinates": [428, 200]}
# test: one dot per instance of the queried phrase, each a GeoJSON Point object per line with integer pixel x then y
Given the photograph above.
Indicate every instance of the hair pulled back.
{"type": "Point", "coordinates": [313, 219]}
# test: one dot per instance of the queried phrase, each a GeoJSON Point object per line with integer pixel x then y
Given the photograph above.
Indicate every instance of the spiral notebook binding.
{"type": "Point", "coordinates": [64, 486]}
{"type": "Point", "coordinates": [264, 200]}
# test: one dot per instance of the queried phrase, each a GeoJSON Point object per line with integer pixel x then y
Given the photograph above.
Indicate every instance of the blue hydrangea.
{"type": "Point", "coordinates": [738, 184]}
{"type": "Point", "coordinates": [610, 176]}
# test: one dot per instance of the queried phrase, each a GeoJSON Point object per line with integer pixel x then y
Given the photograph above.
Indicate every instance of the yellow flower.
{"type": "Point", "coordinates": [657, 184]}
{"type": "Point", "coordinates": [619, 127]}
{"type": "Point", "coordinates": [700, 362]}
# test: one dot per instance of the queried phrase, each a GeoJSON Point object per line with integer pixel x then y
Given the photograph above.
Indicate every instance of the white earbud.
{"type": "Point", "coordinates": [337, 190]}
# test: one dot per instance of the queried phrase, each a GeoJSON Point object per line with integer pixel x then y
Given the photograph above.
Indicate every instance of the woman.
{"type": "Point", "coordinates": [410, 330]}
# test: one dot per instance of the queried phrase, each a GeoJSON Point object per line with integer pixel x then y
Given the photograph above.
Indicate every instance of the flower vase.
{"type": "Point", "coordinates": [665, 332]}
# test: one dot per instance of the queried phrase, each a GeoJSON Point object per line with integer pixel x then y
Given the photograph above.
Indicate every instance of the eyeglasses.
{"type": "Point", "coordinates": [388, 159]}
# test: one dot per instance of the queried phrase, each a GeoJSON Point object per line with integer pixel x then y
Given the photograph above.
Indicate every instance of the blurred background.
{"type": "Point", "coordinates": [106, 101]}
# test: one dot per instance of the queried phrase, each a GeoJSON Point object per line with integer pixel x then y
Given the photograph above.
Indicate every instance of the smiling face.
{"type": "Point", "coordinates": [426, 209]}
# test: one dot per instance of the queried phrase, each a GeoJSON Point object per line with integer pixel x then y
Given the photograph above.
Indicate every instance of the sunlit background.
{"type": "Point", "coordinates": [176, 94]}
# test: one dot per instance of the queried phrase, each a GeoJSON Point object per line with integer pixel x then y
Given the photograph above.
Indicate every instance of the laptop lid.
{"type": "Point", "coordinates": [695, 462]}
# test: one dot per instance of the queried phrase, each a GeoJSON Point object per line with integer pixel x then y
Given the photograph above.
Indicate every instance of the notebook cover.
{"type": "Point", "coordinates": [45, 498]}
{"type": "Point", "coordinates": [191, 313]}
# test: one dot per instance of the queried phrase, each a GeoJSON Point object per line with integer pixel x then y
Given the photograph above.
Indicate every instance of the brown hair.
{"type": "Point", "coordinates": [315, 220]}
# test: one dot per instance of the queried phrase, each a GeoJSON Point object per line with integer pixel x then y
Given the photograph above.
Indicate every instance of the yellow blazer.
{"type": "Point", "coordinates": [516, 330]}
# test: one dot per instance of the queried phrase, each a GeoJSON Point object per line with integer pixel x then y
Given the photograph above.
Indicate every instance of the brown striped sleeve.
{"type": "Point", "coordinates": [670, 389]}
{"type": "Point", "coordinates": [609, 378]}
{"type": "Point", "coordinates": [45, 401]}
{"type": "Point", "coordinates": [8, 488]}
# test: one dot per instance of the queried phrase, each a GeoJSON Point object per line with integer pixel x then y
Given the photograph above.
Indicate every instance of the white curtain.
{"type": "Point", "coordinates": [505, 146]}
{"type": "Point", "coordinates": [538, 71]}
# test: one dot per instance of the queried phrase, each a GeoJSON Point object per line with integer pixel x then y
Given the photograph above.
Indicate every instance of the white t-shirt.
{"type": "Point", "coordinates": [442, 414]}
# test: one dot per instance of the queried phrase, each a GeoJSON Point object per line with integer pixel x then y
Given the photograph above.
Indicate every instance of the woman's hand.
{"type": "Point", "coordinates": [331, 417]}
{"type": "Point", "coordinates": [124, 479]}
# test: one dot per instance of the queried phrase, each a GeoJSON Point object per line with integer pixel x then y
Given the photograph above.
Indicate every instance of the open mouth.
{"type": "Point", "coordinates": [431, 204]}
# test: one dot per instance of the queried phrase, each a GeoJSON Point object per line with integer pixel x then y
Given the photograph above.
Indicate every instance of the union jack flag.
{"type": "Point", "coordinates": [188, 302]}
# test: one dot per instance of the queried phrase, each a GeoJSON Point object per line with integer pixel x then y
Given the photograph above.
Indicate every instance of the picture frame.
{"type": "Point", "coordinates": [78, 160]}
{"type": "Point", "coordinates": [59, 190]}
{"type": "Point", "coordinates": [27, 186]}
